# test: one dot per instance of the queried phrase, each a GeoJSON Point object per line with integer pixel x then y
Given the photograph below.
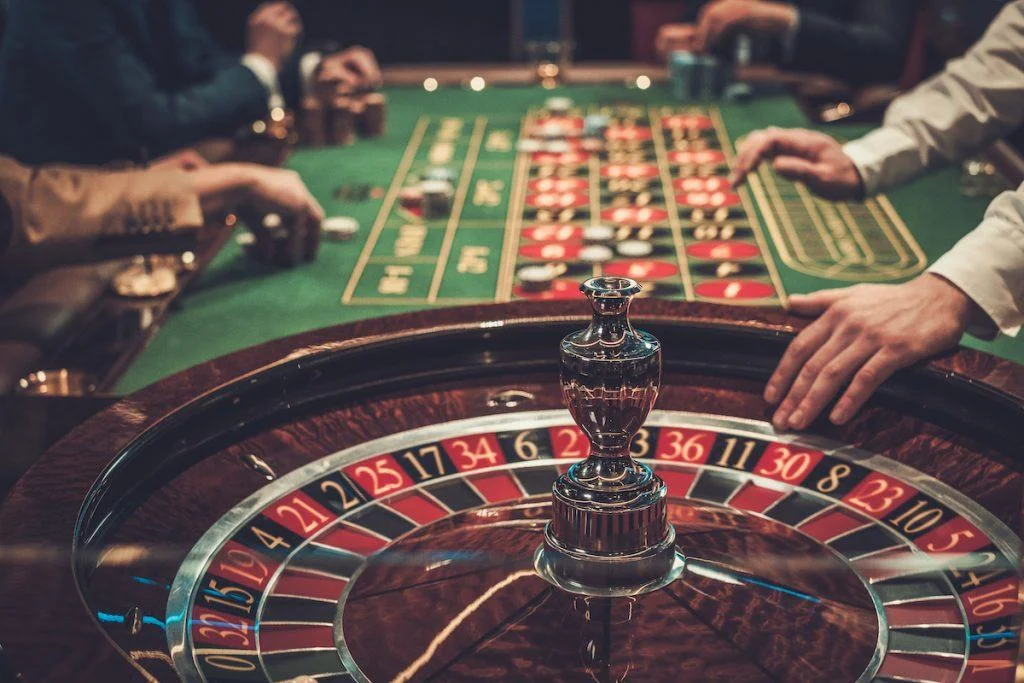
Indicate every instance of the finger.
{"type": "Point", "coordinates": [363, 63]}
{"type": "Point", "coordinates": [808, 372]}
{"type": "Point", "coordinates": [751, 152]}
{"type": "Point", "coordinates": [798, 169]}
{"type": "Point", "coordinates": [312, 245]}
{"type": "Point", "coordinates": [294, 244]}
{"type": "Point", "coordinates": [803, 346]}
{"type": "Point", "coordinates": [878, 369]}
{"type": "Point", "coordinates": [816, 303]}
{"type": "Point", "coordinates": [833, 375]}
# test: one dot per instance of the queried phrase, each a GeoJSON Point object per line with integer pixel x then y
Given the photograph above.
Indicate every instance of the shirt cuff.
{"type": "Point", "coordinates": [878, 158]}
{"type": "Point", "coordinates": [983, 265]}
{"type": "Point", "coordinates": [789, 39]}
{"type": "Point", "coordinates": [308, 65]}
{"type": "Point", "coordinates": [266, 74]}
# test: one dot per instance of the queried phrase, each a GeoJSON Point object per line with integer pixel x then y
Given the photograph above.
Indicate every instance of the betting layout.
{"type": "Point", "coordinates": [925, 578]}
{"type": "Point", "coordinates": [859, 241]}
{"type": "Point", "coordinates": [650, 201]}
{"type": "Point", "coordinates": [533, 206]}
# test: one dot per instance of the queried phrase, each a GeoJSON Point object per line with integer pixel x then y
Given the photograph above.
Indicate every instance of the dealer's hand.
{"type": "Point", "coordinates": [863, 334]}
{"type": "Point", "coordinates": [807, 156]}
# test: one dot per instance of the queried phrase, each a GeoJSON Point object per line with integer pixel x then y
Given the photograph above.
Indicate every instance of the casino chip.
{"type": "Point", "coordinates": [437, 198]}
{"type": "Point", "coordinates": [339, 228]}
{"type": "Point", "coordinates": [529, 145]}
{"type": "Point", "coordinates": [598, 233]}
{"type": "Point", "coordinates": [634, 248]}
{"type": "Point", "coordinates": [596, 253]}
{"type": "Point", "coordinates": [550, 131]}
{"type": "Point", "coordinates": [439, 173]}
{"type": "Point", "coordinates": [536, 278]}
{"type": "Point", "coordinates": [595, 125]}
{"type": "Point", "coordinates": [558, 105]}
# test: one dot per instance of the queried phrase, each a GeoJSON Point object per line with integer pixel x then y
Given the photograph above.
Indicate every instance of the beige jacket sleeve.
{"type": "Point", "coordinates": [65, 208]}
{"type": "Point", "coordinates": [975, 100]}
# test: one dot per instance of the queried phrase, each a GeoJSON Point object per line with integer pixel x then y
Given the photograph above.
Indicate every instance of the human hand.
{"type": "Point", "coordinates": [807, 156]}
{"type": "Point", "coordinates": [672, 37]}
{"type": "Point", "coordinates": [717, 20]}
{"type": "Point", "coordinates": [863, 334]}
{"type": "Point", "coordinates": [273, 32]}
{"type": "Point", "coordinates": [352, 70]}
{"type": "Point", "coordinates": [184, 159]}
{"type": "Point", "coordinates": [260, 190]}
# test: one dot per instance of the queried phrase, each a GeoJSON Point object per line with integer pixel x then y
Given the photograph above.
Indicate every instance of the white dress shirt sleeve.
{"type": "Point", "coordinates": [266, 74]}
{"type": "Point", "coordinates": [988, 265]}
{"type": "Point", "coordinates": [976, 99]}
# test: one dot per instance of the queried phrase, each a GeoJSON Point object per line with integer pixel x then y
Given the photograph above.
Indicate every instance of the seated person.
{"type": "Point", "coordinates": [865, 333]}
{"type": "Point", "coordinates": [864, 41]}
{"type": "Point", "coordinates": [94, 81]}
{"type": "Point", "coordinates": [56, 215]}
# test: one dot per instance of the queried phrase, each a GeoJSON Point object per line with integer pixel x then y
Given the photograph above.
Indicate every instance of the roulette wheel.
{"type": "Point", "coordinates": [408, 499]}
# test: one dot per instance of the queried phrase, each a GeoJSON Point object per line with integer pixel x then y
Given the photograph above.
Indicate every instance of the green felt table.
{"type": "Point", "coordinates": [399, 262]}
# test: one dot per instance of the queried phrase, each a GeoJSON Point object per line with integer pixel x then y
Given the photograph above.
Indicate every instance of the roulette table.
{"type": "Point", "coordinates": [656, 180]}
{"type": "Point", "coordinates": [369, 502]}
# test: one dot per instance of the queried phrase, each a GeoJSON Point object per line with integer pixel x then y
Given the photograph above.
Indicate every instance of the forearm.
{"type": "Point", "coordinates": [988, 265]}
{"type": "Point", "coordinates": [973, 101]}
{"type": "Point", "coordinates": [222, 187]}
{"type": "Point", "coordinates": [67, 214]}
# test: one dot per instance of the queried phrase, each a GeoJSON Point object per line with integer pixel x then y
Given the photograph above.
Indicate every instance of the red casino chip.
{"type": "Point", "coordinates": [547, 185]}
{"type": "Point", "coordinates": [561, 158]}
{"type": "Point", "coordinates": [695, 184]}
{"type": "Point", "coordinates": [628, 133]}
{"type": "Point", "coordinates": [641, 269]}
{"type": "Point", "coordinates": [691, 121]}
{"type": "Point", "coordinates": [630, 171]}
{"type": "Point", "coordinates": [557, 200]}
{"type": "Point", "coordinates": [734, 289]}
{"type": "Point", "coordinates": [697, 158]}
{"type": "Point", "coordinates": [551, 251]}
{"type": "Point", "coordinates": [708, 200]}
{"type": "Point", "coordinates": [553, 232]}
{"type": "Point", "coordinates": [632, 215]}
{"type": "Point", "coordinates": [723, 250]}
{"type": "Point", "coordinates": [560, 290]}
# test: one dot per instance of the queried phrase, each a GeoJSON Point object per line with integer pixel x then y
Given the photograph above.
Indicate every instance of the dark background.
{"type": "Point", "coordinates": [401, 31]}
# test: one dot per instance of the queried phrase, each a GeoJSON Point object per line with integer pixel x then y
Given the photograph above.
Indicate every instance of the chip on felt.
{"type": "Point", "coordinates": [634, 248]}
{"type": "Point", "coordinates": [529, 145]}
{"type": "Point", "coordinates": [537, 276]}
{"type": "Point", "coordinates": [339, 227]}
{"type": "Point", "coordinates": [558, 105]}
{"type": "Point", "coordinates": [596, 253]}
{"type": "Point", "coordinates": [598, 233]}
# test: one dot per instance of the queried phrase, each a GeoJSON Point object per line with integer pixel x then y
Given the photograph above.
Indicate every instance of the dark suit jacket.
{"type": "Point", "coordinates": [860, 41]}
{"type": "Point", "coordinates": [92, 81]}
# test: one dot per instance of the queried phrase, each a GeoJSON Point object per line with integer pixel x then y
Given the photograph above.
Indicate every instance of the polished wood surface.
{"type": "Point", "coordinates": [294, 400]}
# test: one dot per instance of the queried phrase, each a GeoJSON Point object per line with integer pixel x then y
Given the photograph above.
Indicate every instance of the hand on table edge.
{"type": "Point", "coordinates": [862, 335]}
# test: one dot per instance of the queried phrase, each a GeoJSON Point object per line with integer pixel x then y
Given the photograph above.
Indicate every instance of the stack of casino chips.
{"type": "Point", "coordinates": [339, 120]}
{"type": "Point", "coordinates": [696, 77]}
{"type": "Point", "coordinates": [437, 188]}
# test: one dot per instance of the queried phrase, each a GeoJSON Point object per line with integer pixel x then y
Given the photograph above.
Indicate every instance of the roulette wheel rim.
{"type": "Point", "coordinates": [200, 389]}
